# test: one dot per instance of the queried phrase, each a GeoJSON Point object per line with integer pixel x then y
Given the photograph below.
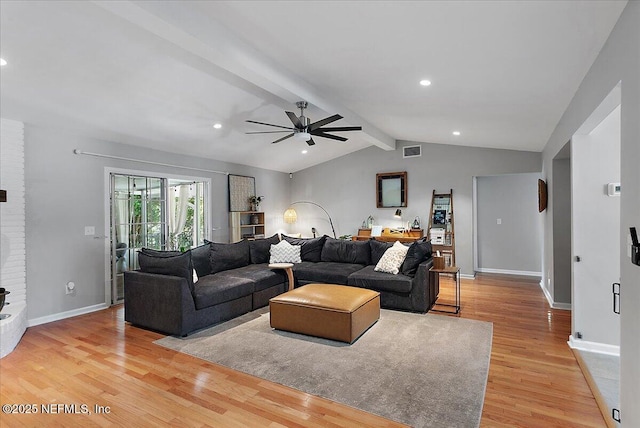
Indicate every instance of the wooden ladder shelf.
{"type": "Point", "coordinates": [441, 229]}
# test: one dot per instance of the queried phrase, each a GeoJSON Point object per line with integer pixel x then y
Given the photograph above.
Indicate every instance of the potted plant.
{"type": "Point", "coordinates": [255, 202]}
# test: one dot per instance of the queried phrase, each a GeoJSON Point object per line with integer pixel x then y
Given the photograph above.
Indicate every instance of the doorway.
{"type": "Point", "coordinates": [153, 212]}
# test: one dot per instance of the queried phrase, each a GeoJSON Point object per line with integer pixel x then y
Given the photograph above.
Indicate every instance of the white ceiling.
{"type": "Point", "coordinates": [159, 74]}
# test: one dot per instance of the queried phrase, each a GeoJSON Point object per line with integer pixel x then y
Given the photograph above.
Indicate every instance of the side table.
{"type": "Point", "coordinates": [450, 270]}
{"type": "Point", "coordinates": [288, 268]}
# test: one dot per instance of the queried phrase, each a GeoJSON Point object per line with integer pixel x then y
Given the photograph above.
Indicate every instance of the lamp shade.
{"type": "Point", "coordinates": [398, 213]}
{"type": "Point", "coordinates": [290, 215]}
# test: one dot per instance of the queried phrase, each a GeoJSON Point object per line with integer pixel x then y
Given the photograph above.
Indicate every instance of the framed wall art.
{"type": "Point", "coordinates": [241, 188]}
{"type": "Point", "coordinates": [391, 190]}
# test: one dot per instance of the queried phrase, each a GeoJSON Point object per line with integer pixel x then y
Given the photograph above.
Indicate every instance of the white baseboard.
{"type": "Point", "coordinates": [509, 272]}
{"type": "Point", "coordinates": [600, 348]}
{"type": "Point", "coordinates": [554, 305]}
{"type": "Point", "coordinates": [68, 314]}
{"type": "Point", "coordinates": [467, 276]}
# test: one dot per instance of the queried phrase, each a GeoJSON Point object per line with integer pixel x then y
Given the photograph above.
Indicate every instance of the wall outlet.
{"type": "Point", "coordinates": [70, 287]}
{"type": "Point", "coordinates": [89, 230]}
{"type": "Point", "coordinates": [499, 221]}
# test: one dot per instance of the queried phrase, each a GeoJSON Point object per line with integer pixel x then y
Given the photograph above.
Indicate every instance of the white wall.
{"type": "Point", "coordinates": [515, 245]}
{"type": "Point", "coordinates": [346, 187]}
{"type": "Point", "coordinates": [66, 192]}
{"type": "Point", "coordinates": [595, 162]}
{"type": "Point", "coordinates": [618, 61]}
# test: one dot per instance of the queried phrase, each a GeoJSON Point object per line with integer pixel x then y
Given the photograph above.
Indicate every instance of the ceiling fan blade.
{"type": "Point", "coordinates": [332, 137]}
{"type": "Point", "coordinates": [268, 124]}
{"type": "Point", "coordinates": [341, 128]}
{"type": "Point", "coordinates": [265, 132]}
{"type": "Point", "coordinates": [283, 138]}
{"type": "Point", "coordinates": [324, 121]}
{"type": "Point", "coordinates": [294, 119]}
{"type": "Point", "coordinates": [311, 142]}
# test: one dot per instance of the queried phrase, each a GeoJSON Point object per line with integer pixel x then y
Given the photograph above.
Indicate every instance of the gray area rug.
{"type": "Point", "coordinates": [423, 370]}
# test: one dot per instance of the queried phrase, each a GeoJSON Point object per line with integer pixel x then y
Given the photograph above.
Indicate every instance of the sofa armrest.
{"type": "Point", "coordinates": [425, 287]}
{"type": "Point", "coordinates": [157, 302]}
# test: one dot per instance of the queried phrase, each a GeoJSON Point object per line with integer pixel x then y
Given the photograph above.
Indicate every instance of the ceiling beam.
{"type": "Point", "coordinates": [198, 34]}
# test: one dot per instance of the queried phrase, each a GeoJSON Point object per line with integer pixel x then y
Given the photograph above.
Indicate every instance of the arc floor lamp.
{"type": "Point", "coordinates": [290, 215]}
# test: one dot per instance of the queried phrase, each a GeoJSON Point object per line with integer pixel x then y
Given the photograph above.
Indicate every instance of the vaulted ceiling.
{"type": "Point", "coordinates": [159, 74]}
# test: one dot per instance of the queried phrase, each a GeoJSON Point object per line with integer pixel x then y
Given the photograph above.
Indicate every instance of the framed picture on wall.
{"type": "Point", "coordinates": [241, 188]}
{"type": "Point", "coordinates": [391, 190]}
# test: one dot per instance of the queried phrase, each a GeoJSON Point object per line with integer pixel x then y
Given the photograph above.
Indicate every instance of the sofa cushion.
{"type": "Point", "coordinates": [392, 259]}
{"type": "Point", "coordinates": [229, 256]}
{"type": "Point", "coordinates": [201, 259]}
{"type": "Point", "coordinates": [325, 272]}
{"type": "Point", "coordinates": [343, 251]}
{"type": "Point", "coordinates": [215, 289]}
{"type": "Point", "coordinates": [380, 281]}
{"type": "Point", "coordinates": [172, 263]}
{"type": "Point", "coordinates": [311, 248]}
{"type": "Point", "coordinates": [259, 249]}
{"type": "Point", "coordinates": [419, 251]}
{"type": "Point", "coordinates": [283, 252]}
{"type": "Point", "coordinates": [377, 250]}
{"type": "Point", "coordinates": [260, 274]}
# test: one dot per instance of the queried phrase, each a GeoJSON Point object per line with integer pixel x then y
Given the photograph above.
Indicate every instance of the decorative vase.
{"type": "Point", "coordinates": [255, 219]}
{"type": "Point", "coordinates": [254, 207]}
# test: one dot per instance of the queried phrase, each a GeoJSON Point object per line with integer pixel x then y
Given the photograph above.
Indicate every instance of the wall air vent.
{"type": "Point", "coordinates": [411, 151]}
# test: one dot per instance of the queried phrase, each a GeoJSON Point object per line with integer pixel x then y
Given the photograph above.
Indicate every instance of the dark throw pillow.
{"type": "Point", "coordinates": [259, 249]}
{"type": "Point", "coordinates": [419, 251]}
{"type": "Point", "coordinates": [201, 259]}
{"type": "Point", "coordinates": [229, 256]}
{"type": "Point", "coordinates": [167, 263]}
{"type": "Point", "coordinates": [377, 249]}
{"type": "Point", "coordinates": [343, 251]}
{"type": "Point", "coordinates": [311, 250]}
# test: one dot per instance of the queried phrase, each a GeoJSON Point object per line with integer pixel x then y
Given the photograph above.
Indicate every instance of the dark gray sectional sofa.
{"type": "Point", "coordinates": [234, 279]}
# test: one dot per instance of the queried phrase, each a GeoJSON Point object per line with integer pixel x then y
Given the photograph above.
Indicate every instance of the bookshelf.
{"type": "Point", "coordinates": [246, 225]}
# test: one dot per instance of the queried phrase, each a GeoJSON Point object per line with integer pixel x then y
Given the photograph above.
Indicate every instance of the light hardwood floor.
{"type": "Point", "coordinates": [98, 359]}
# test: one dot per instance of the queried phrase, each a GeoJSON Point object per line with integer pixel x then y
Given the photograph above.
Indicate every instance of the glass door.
{"type": "Point", "coordinates": [153, 212]}
{"type": "Point", "coordinates": [138, 219]}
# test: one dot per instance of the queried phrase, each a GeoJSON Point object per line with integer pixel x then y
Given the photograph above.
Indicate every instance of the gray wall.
{"type": "Point", "coordinates": [346, 187]}
{"type": "Point", "coordinates": [618, 61]}
{"type": "Point", "coordinates": [562, 231]}
{"type": "Point", "coordinates": [65, 192]}
{"type": "Point", "coordinates": [515, 245]}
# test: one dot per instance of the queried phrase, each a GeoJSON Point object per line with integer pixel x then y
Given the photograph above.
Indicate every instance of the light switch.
{"type": "Point", "coordinates": [499, 221]}
{"type": "Point", "coordinates": [89, 230]}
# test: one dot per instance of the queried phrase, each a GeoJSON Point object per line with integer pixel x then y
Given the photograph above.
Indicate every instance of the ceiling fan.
{"type": "Point", "coordinates": [303, 129]}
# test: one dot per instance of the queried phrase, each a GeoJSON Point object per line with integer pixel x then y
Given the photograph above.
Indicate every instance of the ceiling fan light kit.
{"type": "Point", "coordinates": [304, 130]}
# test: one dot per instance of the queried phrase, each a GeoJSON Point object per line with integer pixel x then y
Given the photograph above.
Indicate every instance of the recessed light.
{"type": "Point", "coordinates": [456, 133]}
{"type": "Point", "coordinates": [3, 62]}
{"type": "Point", "coordinates": [217, 125]}
{"type": "Point", "coordinates": [425, 82]}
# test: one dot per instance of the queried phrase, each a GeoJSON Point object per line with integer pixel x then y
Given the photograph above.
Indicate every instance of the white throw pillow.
{"type": "Point", "coordinates": [392, 259]}
{"type": "Point", "coordinates": [284, 252]}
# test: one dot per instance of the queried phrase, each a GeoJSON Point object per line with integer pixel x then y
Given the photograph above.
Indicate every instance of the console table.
{"type": "Point", "coordinates": [390, 235]}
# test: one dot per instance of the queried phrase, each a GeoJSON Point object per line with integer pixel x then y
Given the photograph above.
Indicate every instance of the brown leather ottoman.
{"type": "Point", "coordinates": [334, 312]}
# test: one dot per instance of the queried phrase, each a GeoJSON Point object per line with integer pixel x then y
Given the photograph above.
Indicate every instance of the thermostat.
{"type": "Point", "coordinates": [613, 189]}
